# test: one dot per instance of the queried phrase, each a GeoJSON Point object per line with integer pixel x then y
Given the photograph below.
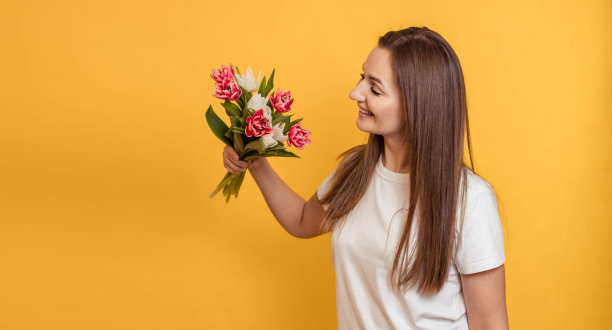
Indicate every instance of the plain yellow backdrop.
{"type": "Point", "coordinates": [106, 161]}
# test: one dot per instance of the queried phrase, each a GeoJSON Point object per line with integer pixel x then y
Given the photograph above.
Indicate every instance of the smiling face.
{"type": "Point", "coordinates": [377, 93]}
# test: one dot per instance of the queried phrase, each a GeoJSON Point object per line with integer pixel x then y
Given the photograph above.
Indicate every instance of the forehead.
{"type": "Point", "coordinates": [378, 64]}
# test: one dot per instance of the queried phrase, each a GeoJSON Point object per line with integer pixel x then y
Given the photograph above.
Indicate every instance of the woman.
{"type": "Point", "coordinates": [416, 237]}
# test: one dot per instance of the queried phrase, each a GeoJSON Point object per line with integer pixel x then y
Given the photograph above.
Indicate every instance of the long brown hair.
{"type": "Point", "coordinates": [429, 76]}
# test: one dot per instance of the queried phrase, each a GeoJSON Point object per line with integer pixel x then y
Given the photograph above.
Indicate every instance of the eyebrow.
{"type": "Point", "coordinates": [373, 78]}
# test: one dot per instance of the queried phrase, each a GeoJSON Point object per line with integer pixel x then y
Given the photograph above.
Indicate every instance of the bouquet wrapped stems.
{"type": "Point", "coordinates": [231, 182]}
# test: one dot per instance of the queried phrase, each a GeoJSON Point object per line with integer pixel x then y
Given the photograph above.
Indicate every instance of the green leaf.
{"type": "Point", "coordinates": [217, 125]}
{"type": "Point", "coordinates": [246, 94]}
{"type": "Point", "coordinates": [238, 122]}
{"type": "Point", "coordinates": [240, 101]}
{"type": "Point", "coordinates": [245, 114]}
{"type": "Point", "coordinates": [295, 122]}
{"type": "Point", "coordinates": [231, 109]}
{"type": "Point", "coordinates": [249, 154]}
{"type": "Point", "coordinates": [262, 86]}
{"type": "Point", "coordinates": [276, 147]}
{"type": "Point", "coordinates": [237, 130]}
{"type": "Point", "coordinates": [288, 126]}
{"type": "Point", "coordinates": [277, 120]}
{"type": "Point", "coordinates": [270, 84]}
{"type": "Point", "coordinates": [249, 157]}
{"type": "Point", "coordinates": [256, 145]}
{"type": "Point", "coordinates": [280, 119]}
{"type": "Point", "coordinates": [285, 153]}
{"type": "Point", "coordinates": [238, 145]}
{"type": "Point", "coordinates": [237, 71]}
{"type": "Point", "coordinates": [274, 153]}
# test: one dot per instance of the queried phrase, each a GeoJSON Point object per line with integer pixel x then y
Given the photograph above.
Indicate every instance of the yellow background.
{"type": "Point", "coordinates": [107, 161]}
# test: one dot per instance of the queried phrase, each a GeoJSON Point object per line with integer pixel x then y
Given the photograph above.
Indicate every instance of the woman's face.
{"type": "Point", "coordinates": [377, 93]}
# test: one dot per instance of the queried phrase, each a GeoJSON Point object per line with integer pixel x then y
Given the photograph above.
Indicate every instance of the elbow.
{"type": "Point", "coordinates": [298, 230]}
{"type": "Point", "coordinates": [299, 234]}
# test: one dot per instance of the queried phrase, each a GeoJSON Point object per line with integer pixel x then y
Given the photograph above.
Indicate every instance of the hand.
{"type": "Point", "coordinates": [234, 165]}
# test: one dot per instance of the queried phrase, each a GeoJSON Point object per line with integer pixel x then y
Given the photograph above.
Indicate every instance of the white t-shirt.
{"type": "Point", "coordinates": [362, 255]}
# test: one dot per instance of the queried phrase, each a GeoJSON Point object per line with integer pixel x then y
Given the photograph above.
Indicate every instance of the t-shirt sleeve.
{"type": "Point", "coordinates": [482, 240]}
{"type": "Point", "coordinates": [324, 187]}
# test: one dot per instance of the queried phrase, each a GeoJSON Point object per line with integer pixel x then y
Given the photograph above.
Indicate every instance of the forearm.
{"type": "Point", "coordinates": [285, 204]}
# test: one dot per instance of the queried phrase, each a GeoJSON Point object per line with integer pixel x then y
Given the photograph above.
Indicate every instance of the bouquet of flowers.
{"type": "Point", "coordinates": [258, 122]}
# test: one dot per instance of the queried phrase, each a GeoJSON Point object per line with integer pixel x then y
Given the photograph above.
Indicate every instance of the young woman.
{"type": "Point", "coordinates": [417, 241]}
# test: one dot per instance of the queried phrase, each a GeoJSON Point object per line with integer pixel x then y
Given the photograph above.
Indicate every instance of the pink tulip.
{"type": "Point", "coordinates": [298, 136]}
{"type": "Point", "coordinates": [226, 87]}
{"type": "Point", "coordinates": [257, 124]}
{"type": "Point", "coordinates": [282, 101]}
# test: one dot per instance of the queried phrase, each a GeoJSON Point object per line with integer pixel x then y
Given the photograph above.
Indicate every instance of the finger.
{"type": "Point", "coordinates": [231, 167]}
{"type": "Point", "coordinates": [236, 160]}
{"type": "Point", "coordinates": [231, 155]}
{"type": "Point", "coordinates": [230, 151]}
{"type": "Point", "coordinates": [240, 167]}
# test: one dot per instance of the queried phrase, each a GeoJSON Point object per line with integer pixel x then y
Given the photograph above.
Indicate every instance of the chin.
{"type": "Point", "coordinates": [363, 129]}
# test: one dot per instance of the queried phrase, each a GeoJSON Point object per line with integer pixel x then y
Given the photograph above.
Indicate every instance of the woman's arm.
{"type": "Point", "coordinates": [285, 204]}
{"type": "Point", "coordinates": [298, 217]}
{"type": "Point", "coordinates": [484, 294]}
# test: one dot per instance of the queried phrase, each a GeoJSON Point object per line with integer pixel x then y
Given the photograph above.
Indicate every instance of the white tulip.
{"type": "Point", "coordinates": [268, 113]}
{"type": "Point", "coordinates": [259, 102]}
{"type": "Point", "coordinates": [277, 132]}
{"type": "Point", "coordinates": [269, 141]}
{"type": "Point", "coordinates": [248, 81]}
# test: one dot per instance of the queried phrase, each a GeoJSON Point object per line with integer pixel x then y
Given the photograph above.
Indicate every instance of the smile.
{"type": "Point", "coordinates": [366, 113]}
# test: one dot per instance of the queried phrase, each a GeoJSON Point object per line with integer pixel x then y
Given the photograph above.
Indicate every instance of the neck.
{"type": "Point", "coordinates": [395, 157]}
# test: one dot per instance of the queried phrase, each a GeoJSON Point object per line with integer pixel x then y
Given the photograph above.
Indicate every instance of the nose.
{"type": "Point", "coordinates": [356, 94]}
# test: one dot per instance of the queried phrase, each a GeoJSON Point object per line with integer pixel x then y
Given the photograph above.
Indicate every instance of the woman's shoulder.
{"type": "Point", "coordinates": [481, 199]}
{"type": "Point", "coordinates": [476, 184]}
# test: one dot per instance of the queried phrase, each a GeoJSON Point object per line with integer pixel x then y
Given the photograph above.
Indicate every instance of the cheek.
{"type": "Point", "coordinates": [393, 116]}
{"type": "Point", "coordinates": [395, 110]}
{"type": "Point", "coordinates": [390, 110]}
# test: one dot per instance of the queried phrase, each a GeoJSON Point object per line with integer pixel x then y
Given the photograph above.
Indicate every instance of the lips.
{"type": "Point", "coordinates": [365, 112]}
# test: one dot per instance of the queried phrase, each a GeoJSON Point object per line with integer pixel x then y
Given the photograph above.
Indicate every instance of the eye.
{"type": "Point", "coordinates": [371, 88]}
